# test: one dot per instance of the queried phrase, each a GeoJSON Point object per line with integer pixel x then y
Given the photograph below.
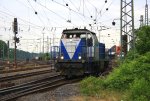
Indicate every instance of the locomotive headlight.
{"type": "Point", "coordinates": [62, 57]}
{"type": "Point", "coordinates": [79, 57]}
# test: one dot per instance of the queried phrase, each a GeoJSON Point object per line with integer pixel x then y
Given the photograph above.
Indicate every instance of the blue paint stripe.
{"type": "Point", "coordinates": [64, 51]}
{"type": "Point", "coordinates": [79, 49]}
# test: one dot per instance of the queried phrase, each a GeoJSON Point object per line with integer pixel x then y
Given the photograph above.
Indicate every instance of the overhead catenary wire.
{"type": "Point", "coordinates": [23, 4]}
{"type": "Point", "coordinates": [57, 14]}
{"type": "Point", "coordinates": [67, 6]}
{"type": "Point", "coordinates": [107, 9]}
{"type": "Point", "coordinates": [99, 10]}
{"type": "Point", "coordinates": [65, 18]}
{"type": "Point", "coordinates": [36, 12]}
{"type": "Point", "coordinates": [31, 24]}
{"type": "Point", "coordinates": [74, 5]}
{"type": "Point", "coordinates": [55, 26]}
{"type": "Point", "coordinates": [44, 14]}
{"type": "Point", "coordinates": [79, 6]}
{"type": "Point", "coordinates": [20, 24]}
{"type": "Point", "coordinates": [40, 27]}
{"type": "Point", "coordinates": [71, 9]}
{"type": "Point", "coordinates": [29, 7]}
{"type": "Point", "coordinates": [52, 11]}
{"type": "Point", "coordinates": [24, 26]}
{"type": "Point", "coordinates": [18, 18]}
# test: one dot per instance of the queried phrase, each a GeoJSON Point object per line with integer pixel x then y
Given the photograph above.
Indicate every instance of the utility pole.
{"type": "Point", "coordinates": [40, 47]}
{"type": "Point", "coordinates": [8, 50]}
{"type": "Point", "coordinates": [146, 14]}
{"type": "Point", "coordinates": [127, 24]}
{"type": "Point", "coordinates": [47, 44]}
{"type": "Point", "coordinates": [3, 51]}
{"type": "Point", "coordinates": [43, 43]}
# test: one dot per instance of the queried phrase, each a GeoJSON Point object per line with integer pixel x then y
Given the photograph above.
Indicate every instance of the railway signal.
{"type": "Point", "coordinates": [15, 30]}
{"type": "Point", "coordinates": [17, 40]}
{"type": "Point", "coordinates": [15, 26]}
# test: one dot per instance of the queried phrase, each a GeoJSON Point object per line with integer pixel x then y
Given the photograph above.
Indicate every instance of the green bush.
{"type": "Point", "coordinates": [3, 49]}
{"type": "Point", "coordinates": [139, 90]}
{"type": "Point", "coordinates": [132, 76]}
{"type": "Point", "coordinates": [143, 40]}
{"type": "Point", "coordinates": [91, 86]}
{"type": "Point", "coordinates": [121, 77]}
{"type": "Point", "coordinates": [130, 55]}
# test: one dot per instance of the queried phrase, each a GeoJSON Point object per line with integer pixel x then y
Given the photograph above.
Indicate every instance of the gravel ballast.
{"type": "Point", "coordinates": [63, 93]}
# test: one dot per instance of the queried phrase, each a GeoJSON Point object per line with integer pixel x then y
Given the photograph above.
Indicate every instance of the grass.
{"type": "Point", "coordinates": [105, 96]}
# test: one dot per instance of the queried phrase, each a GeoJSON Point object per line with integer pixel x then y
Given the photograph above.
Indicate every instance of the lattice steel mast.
{"type": "Point", "coordinates": [146, 14]}
{"type": "Point", "coordinates": [127, 24]}
{"type": "Point", "coordinates": [141, 21]}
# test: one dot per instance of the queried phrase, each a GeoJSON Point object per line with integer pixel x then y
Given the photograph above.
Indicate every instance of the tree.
{"type": "Point", "coordinates": [45, 56]}
{"type": "Point", "coordinates": [3, 49]}
{"type": "Point", "coordinates": [143, 39]}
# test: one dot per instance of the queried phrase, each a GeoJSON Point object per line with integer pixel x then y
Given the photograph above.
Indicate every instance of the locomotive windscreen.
{"type": "Point", "coordinates": [73, 35]}
{"type": "Point", "coordinates": [76, 33]}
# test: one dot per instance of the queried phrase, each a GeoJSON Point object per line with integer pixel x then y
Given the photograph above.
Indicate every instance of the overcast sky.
{"type": "Point", "coordinates": [52, 16]}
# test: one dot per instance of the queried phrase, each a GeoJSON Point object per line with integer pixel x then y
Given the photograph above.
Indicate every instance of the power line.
{"type": "Point", "coordinates": [32, 24]}
{"type": "Point", "coordinates": [36, 26]}
{"type": "Point", "coordinates": [22, 3]}
{"type": "Point", "coordinates": [71, 9]}
{"type": "Point", "coordinates": [88, 11]}
{"type": "Point", "coordinates": [35, 12]}
{"type": "Point", "coordinates": [102, 14]}
{"type": "Point", "coordinates": [74, 5]}
{"type": "Point", "coordinates": [19, 18]}
{"type": "Point", "coordinates": [53, 12]}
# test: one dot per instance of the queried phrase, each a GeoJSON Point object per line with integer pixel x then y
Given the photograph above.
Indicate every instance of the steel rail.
{"type": "Point", "coordinates": [35, 88]}
{"type": "Point", "coordinates": [18, 76]}
{"type": "Point", "coordinates": [24, 69]}
{"type": "Point", "coordinates": [25, 85]}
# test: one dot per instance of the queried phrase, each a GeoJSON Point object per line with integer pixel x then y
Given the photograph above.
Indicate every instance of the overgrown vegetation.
{"type": "Point", "coordinates": [3, 48]}
{"type": "Point", "coordinates": [132, 77]}
{"type": "Point", "coordinates": [21, 55]}
{"type": "Point", "coordinates": [143, 40]}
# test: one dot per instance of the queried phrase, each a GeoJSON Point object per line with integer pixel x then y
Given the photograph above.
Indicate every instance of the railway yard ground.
{"type": "Point", "coordinates": [66, 92]}
{"type": "Point", "coordinates": [26, 71]}
{"type": "Point", "coordinates": [34, 72]}
{"type": "Point", "coordinates": [10, 77]}
{"type": "Point", "coordinates": [69, 92]}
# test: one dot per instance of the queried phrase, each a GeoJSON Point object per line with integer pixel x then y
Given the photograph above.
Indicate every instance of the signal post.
{"type": "Point", "coordinates": [15, 30]}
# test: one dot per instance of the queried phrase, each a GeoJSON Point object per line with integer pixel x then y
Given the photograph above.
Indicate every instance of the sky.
{"type": "Point", "coordinates": [48, 18]}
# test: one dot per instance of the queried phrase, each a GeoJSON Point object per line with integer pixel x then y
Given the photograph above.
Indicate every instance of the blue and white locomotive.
{"type": "Point", "coordinates": [80, 53]}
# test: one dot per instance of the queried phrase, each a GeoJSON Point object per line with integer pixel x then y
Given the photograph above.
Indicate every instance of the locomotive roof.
{"type": "Point", "coordinates": [77, 31]}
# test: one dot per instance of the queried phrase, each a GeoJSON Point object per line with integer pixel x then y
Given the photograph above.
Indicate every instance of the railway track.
{"type": "Point", "coordinates": [32, 87]}
{"type": "Point", "coordinates": [24, 69]}
{"type": "Point", "coordinates": [18, 76]}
